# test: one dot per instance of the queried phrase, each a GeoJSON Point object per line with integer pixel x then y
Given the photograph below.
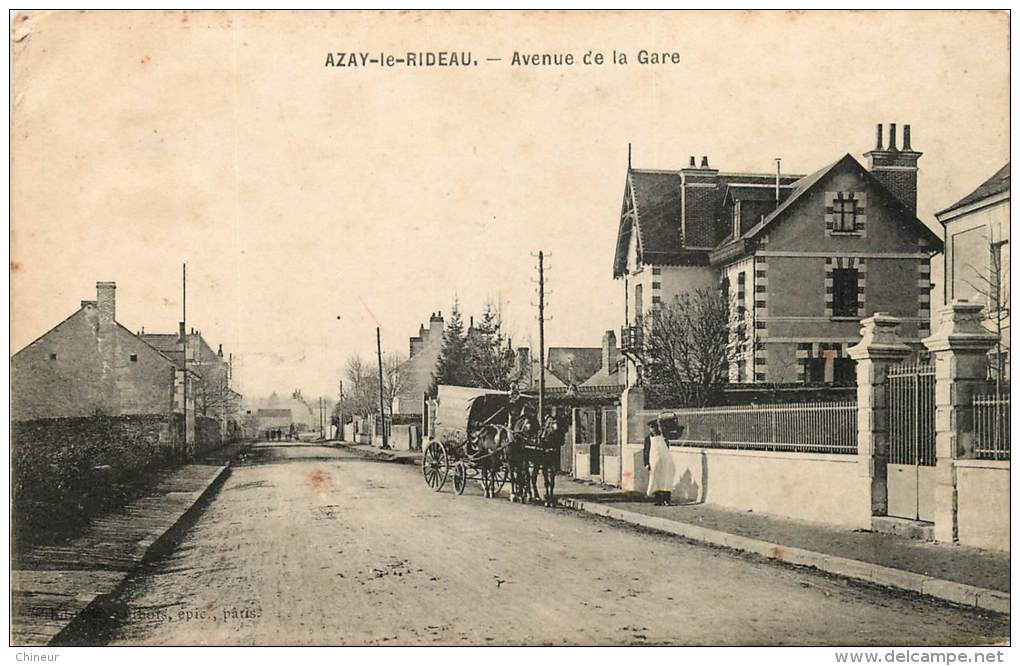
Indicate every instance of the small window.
{"type": "Point", "coordinates": [844, 212]}
{"type": "Point", "coordinates": [844, 292]}
{"type": "Point", "coordinates": [134, 358]}
{"type": "Point", "coordinates": [53, 356]}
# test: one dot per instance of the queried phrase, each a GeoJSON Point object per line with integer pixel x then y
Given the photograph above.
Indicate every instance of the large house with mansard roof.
{"type": "Point", "coordinates": [802, 258]}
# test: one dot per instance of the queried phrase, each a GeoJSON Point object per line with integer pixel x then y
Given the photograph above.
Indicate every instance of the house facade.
{"type": "Point", "coordinates": [801, 259]}
{"type": "Point", "coordinates": [976, 257]}
{"type": "Point", "coordinates": [416, 371]}
{"type": "Point", "coordinates": [90, 365]}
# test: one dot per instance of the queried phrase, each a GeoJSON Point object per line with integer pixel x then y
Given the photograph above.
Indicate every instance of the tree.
{"type": "Point", "coordinates": [993, 288]}
{"type": "Point", "coordinates": [492, 362]}
{"type": "Point", "coordinates": [361, 387]}
{"type": "Point", "coordinates": [394, 377]}
{"type": "Point", "coordinates": [689, 345]}
{"type": "Point", "coordinates": [216, 397]}
{"type": "Point", "coordinates": [452, 366]}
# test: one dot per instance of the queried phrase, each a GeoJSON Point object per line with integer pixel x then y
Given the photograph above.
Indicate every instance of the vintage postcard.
{"type": "Point", "coordinates": [511, 328]}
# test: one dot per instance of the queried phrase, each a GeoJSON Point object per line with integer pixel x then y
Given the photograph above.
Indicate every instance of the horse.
{"type": "Point", "coordinates": [523, 430]}
{"type": "Point", "coordinates": [490, 450]}
{"type": "Point", "coordinates": [543, 455]}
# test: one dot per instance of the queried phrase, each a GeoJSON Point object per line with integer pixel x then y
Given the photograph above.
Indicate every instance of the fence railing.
{"type": "Point", "coordinates": [991, 427]}
{"type": "Point", "coordinates": [818, 427]}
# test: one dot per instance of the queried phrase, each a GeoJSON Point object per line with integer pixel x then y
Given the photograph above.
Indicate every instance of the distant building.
{"type": "Point", "coordinates": [610, 374]}
{"type": "Point", "coordinates": [424, 350]}
{"type": "Point", "coordinates": [573, 365]}
{"type": "Point", "coordinates": [213, 391]}
{"type": "Point", "coordinates": [273, 419]}
{"type": "Point", "coordinates": [976, 257]}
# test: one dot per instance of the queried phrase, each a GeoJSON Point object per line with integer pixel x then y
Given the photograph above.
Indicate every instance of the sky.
{"type": "Point", "coordinates": [299, 193]}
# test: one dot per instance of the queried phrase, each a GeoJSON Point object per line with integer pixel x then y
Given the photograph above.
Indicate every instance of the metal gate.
{"type": "Point", "coordinates": [910, 390]}
{"type": "Point", "coordinates": [588, 438]}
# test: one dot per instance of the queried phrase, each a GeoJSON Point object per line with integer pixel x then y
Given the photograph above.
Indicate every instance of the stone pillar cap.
{"type": "Point", "coordinates": [879, 339]}
{"type": "Point", "coordinates": [959, 328]}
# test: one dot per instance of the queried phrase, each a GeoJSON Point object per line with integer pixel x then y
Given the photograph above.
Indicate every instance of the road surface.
{"type": "Point", "coordinates": [307, 544]}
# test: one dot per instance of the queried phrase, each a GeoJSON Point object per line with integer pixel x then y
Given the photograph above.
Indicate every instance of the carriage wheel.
{"type": "Point", "coordinates": [459, 477]}
{"type": "Point", "coordinates": [435, 466]}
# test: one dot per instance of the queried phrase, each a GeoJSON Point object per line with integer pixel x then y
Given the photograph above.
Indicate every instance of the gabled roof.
{"type": "Point", "coordinates": [656, 213]}
{"type": "Point", "coordinates": [656, 204]}
{"type": "Point", "coordinates": [574, 365]}
{"type": "Point", "coordinates": [119, 326]}
{"type": "Point", "coordinates": [605, 377]}
{"type": "Point", "coordinates": [997, 184]}
{"type": "Point", "coordinates": [808, 183]}
{"type": "Point", "coordinates": [164, 342]}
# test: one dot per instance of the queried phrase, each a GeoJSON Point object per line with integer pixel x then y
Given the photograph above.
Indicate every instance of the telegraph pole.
{"type": "Point", "coordinates": [184, 318]}
{"type": "Point", "coordinates": [382, 409]}
{"type": "Point", "coordinates": [541, 335]}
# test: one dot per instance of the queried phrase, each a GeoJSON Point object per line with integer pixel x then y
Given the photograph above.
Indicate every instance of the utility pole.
{"type": "Point", "coordinates": [184, 323]}
{"type": "Point", "coordinates": [541, 336]}
{"type": "Point", "coordinates": [382, 409]}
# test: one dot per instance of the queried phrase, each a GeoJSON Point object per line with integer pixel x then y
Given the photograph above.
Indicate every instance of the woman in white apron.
{"type": "Point", "coordinates": [659, 463]}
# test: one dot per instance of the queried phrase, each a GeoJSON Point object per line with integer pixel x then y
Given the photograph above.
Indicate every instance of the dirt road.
{"type": "Point", "coordinates": [307, 544]}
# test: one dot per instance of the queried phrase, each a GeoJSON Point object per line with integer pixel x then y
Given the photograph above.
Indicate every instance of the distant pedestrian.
{"type": "Point", "coordinates": [659, 463]}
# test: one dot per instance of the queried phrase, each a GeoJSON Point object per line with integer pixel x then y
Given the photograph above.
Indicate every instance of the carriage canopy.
{"type": "Point", "coordinates": [461, 409]}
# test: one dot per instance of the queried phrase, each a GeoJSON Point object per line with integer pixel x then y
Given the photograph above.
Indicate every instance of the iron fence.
{"type": "Point", "coordinates": [991, 427]}
{"type": "Point", "coordinates": [910, 392]}
{"type": "Point", "coordinates": [817, 427]}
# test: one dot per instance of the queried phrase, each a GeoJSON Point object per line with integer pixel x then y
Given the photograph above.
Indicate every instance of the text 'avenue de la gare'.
{"type": "Point", "coordinates": [517, 59]}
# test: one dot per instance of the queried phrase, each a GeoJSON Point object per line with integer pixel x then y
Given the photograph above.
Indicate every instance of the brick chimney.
{"type": "Point", "coordinates": [698, 227]}
{"type": "Point", "coordinates": [436, 324]}
{"type": "Point", "coordinates": [894, 167]}
{"type": "Point", "coordinates": [609, 351]}
{"type": "Point", "coordinates": [106, 302]}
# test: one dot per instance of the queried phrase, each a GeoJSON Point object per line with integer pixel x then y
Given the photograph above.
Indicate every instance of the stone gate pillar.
{"type": "Point", "coordinates": [632, 439]}
{"type": "Point", "coordinates": [960, 346]}
{"type": "Point", "coordinates": [879, 348]}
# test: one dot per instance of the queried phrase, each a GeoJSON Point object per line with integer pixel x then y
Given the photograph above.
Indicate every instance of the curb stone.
{"type": "Point", "coordinates": [151, 547]}
{"type": "Point", "coordinates": [946, 590]}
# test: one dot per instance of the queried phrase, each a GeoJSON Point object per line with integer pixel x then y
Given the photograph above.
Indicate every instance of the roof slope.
{"type": "Point", "coordinates": [997, 184]}
{"type": "Point", "coordinates": [808, 183]}
{"type": "Point", "coordinates": [574, 365]}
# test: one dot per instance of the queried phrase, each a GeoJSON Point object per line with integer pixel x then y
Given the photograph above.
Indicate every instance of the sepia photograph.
{"type": "Point", "coordinates": [516, 328]}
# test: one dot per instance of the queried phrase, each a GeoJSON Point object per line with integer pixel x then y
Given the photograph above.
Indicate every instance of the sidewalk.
{"type": "Point", "coordinates": [958, 574]}
{"type": "Point", "coordinates": [55, 589]}
{"type": "Point", "coordinates": [388, 455]}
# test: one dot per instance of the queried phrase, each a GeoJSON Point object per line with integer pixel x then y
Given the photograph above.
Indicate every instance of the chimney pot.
{"type": "Point", "coordinates": [906, 138]}
{"type": "Point", "coordinates": [892, 137]}
{"type": "Point", "coordinates": [704, 161]}
{"type": "Point", "coordinates": [878, 136]}
{"type": "Point", "coordinates": [693, 164]}
{"type": "Point", "coordinates": [106, 302]}
{"type": "Point", "coordinates": [180, 331]}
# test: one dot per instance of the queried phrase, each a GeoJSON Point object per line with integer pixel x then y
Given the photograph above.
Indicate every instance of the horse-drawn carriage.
{"type": "Point", "coordinates": [493, 437]}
